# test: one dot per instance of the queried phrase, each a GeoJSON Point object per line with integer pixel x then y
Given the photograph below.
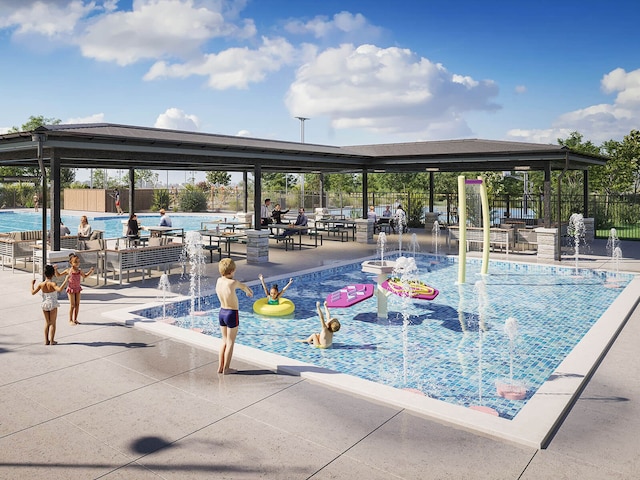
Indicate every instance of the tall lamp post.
{"type": "Point", "coordinates": [302, 120]}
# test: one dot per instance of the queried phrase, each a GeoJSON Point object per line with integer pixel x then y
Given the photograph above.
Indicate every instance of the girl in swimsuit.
{"type": "Point", "coordinates": [50, 303]}
{"type": "Point", "coordinates": [273, 295]}
{"type": "Point", "coordinates": [75, 275]}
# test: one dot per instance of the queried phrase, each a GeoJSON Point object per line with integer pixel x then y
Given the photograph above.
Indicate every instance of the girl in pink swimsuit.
{"type": "Point", "coordinates": [75, 276]}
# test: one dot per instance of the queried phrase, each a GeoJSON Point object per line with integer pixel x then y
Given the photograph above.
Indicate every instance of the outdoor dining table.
{"type": "Point", "coordinates": [299, 229]}
{"type": "Point", "coordinates": [234, 224]}
{"type": "Point", "coordinates": [157, 231]}
{"type": "Point", "coordinates": [226, 237]}
{"type": "Point", "coordinates": [336, 224]}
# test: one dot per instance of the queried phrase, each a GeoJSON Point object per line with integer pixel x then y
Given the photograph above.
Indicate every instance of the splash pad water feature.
{"type": "Point", "coordinates": [195, 256]}
{"type": "Point", "coordinates": [510, 389]}
{"type": "Point", "coordinates": [576, 230]}
{"type": "Point", "coordinates": [381, 268]}
{"type": "Point", "coordinates": [164, 286]}
{"type": "Point", "coordinates": [435, 354]}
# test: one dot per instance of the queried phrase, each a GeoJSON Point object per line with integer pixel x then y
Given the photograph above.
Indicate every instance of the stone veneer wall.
{"type": "Point", "coordinates": [257, 246]}
{"type": "Point", "coordinates": [547, 245]}
{"type": "Point", "coordinates": [364, 231]}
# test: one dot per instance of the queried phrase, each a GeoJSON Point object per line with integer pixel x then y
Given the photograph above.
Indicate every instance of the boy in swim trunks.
{"type": "Point", "coordinates": [273, 295]}
{"type": "Point", "coordinates": [228, 317]}
{"type": "Point", "coordinates": [324, 339]}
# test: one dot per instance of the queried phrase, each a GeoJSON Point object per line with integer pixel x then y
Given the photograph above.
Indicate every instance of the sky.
{"type": "Point", "coordinates": [362, 72]}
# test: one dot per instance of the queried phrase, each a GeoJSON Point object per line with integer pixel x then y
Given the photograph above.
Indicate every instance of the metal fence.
{"type": "Point", "coordinates": [621, 212]}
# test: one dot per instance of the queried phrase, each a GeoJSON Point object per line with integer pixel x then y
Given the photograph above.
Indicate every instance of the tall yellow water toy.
{"type": "Point", "coordinates": [462, 220]}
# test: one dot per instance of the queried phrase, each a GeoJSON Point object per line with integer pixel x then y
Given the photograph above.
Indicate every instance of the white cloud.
{"type": "Point", "coordinates": [232, 68]}
{"type": "Point", "coordinates": [156, 29]}
{"type": "Point", "coordinates": [4, 130]}
{"type": "Point", "coordinates": [344, 24]}
{"type": "Point", "coordinates": [243, 133]}
{"type": "Point", "coordinates": [387, 90]}
{"type": "Point", "coordinates": [176, 119]}
{"type": "Point", "coordinates": [597, 123]}
{"type": "Point", "coordinates": [95, 118]}
{"type": "Point", "coordinates": [47, 18]}
{"type": "Point", "coordinates": [152, 29]}
{"type": "Point", "coordinates": [520, 89]}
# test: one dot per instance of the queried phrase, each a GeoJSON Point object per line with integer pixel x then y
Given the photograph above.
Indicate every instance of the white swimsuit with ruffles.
{"type": "Point", "coordinates": [50, 301]}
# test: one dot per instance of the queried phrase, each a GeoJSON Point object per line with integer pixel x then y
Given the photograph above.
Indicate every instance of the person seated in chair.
{"type": "Point", "coordinates": [301, 220]}
{"type": "Point", "coordinates": [84, 229]}
{"type": "Point", "coordinates": [133, 229]}
{"type": "Point", "coordinates": [399, 220]}
{"type": "Point", "coordinates": [277, 214]}
{"type": "Point", "coordinates": [265, 215]}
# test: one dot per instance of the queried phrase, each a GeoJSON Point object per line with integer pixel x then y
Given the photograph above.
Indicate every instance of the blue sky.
{"type": "Point", "coordinates": [362, 71]}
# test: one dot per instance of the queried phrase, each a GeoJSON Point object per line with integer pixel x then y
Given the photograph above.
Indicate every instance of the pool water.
{"type": "Point", "coordinates": [453, 348]}
{"type": "Point", "coordinates": [11, 221]}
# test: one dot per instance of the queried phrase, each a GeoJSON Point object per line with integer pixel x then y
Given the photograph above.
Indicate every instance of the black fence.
{"type": "Point", "coordinates": [621, 212]}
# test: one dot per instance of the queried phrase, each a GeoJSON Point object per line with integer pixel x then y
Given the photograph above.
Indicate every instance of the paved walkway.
{"type": "Point", "coordinates": [111, 401]}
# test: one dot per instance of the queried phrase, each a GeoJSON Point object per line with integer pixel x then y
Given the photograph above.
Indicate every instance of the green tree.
{"type": "Point", "coordinates": [218, 177]}
{"type": "Point", "coordinates": [277, 181]}
{"type": "Point", "coordinates": [572, 180]}
{"type": "Point", "coordinates": [617, 175]}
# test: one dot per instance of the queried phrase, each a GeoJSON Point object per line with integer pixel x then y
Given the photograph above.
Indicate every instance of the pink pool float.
{"type": "Point", "coordinates": [350, 295]}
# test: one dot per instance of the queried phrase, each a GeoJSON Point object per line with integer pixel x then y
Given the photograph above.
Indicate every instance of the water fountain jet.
{"type": "Point", "coordinates": [165, 286]}
{"type": "Point", "coordinates": [510, 389]}
{"type": "Point", "coordinates": [381, 268]}
{"type": "Point", "coordinates": [195, 256]}
{"type": "Point", "coordinates": [576, 229]}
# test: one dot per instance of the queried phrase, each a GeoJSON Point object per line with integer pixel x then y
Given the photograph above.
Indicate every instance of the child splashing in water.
{"type": "Point", "coordinates": [273, 295]}
{"type": "Point", "coordinates": [75, 275]}
{"type": "Point", "coordinates": [50, 303]}
{"type": "Point", "coordinates": [324, 339]}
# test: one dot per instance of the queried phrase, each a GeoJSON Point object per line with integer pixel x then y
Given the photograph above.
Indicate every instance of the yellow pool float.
{"type": "Point", "coordinates": [284, 307]}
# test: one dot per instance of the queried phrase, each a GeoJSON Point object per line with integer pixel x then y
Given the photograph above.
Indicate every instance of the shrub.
{"type": "Point", "coordinates": [193, 201]}
{"type": "Point", "coordinates": [160, 199]}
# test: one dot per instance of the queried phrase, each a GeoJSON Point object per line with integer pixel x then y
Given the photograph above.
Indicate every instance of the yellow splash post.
{"type": "Point", "coordinates": [486, 227]}
{"type": "Point", "coordinates": [462, 222]}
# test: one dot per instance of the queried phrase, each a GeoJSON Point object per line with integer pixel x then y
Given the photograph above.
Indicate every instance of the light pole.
{"type": "Point", "coordinates": [302, 120]}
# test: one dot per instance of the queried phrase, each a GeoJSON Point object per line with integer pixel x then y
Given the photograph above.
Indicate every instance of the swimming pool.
{"type": "Point", "coordinates": [436, 348]}
{"type": "Point", "coordinates": [12, 221]}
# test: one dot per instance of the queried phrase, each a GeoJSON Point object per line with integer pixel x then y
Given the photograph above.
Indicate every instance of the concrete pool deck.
{"type": "Point", "coordinates": [111, 401]}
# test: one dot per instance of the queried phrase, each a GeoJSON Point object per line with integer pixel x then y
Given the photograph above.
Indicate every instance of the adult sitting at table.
{"type": "Point", "coordinates": [133, 229]}
{"type": "Point", "coordinates": [64, 230]}
{"type": "Point", "coordinates": [265, 216]}
{"type": "Point", "coordinates": [302, 221]}
{"type": "Point", "coordinates": [399, 221]}
{"type": "Point", "coordinates": [165, 220]}
{"type": "Point", "coordinates": [277, 214]}
{"type": "Point", "coordinates": [371, 216]}
{"type": "Point", "coordinates": [84, 229]}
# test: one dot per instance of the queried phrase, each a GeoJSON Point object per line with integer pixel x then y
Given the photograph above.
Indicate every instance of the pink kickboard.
{"type": "Point", "coordinates": [419, 290]}
{"type": "Point", "coordinates": [349, 295]}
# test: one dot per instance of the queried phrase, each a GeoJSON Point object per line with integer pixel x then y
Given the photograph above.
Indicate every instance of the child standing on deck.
{"type": "Point", "coordinates": [50, 303]}
{"type": "Point", "coordinates": [74, 275]}
{"type": "Point", "coordinates": [228, 317]}
{"type": "Point", "coordinates": [273, 295]}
